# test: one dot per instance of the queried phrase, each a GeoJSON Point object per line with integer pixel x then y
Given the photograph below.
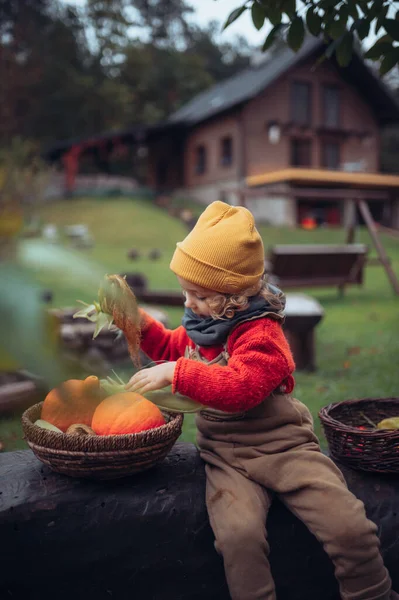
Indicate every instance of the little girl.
{"type": "Point", "coordinates": [231, 355]}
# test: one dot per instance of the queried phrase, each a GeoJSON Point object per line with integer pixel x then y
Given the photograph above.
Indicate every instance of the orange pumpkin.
{"type": "Point", "coordinates": [74, 401]}
{"type": "Point", "coordinates": [126, 412]}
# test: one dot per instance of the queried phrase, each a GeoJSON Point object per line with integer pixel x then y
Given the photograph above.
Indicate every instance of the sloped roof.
{"type": "Point", "coordinates": [249, 83]}
{"type": "Point", "coordinates": [241, 87]}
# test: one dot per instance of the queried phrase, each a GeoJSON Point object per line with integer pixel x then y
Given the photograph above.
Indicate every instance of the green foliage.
{"type": "Point", "coordinates": [27, 336]}
{"type": "Point", "coordinates": [23, 178]}
{"type": "Point", "coordinates": [98, 77]}
{"type": "Point", "coordinates": [337, 22]}
{"type": "Point", "coordinates": [233, 16]}
{"type": "Point", "coordinates": [296, 34]}
{"type": "Point", "coordinates": [270, 40]}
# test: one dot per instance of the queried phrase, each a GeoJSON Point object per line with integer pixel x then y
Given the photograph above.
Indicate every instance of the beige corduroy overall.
{"type": "Point", "coordinates": [272, 448]}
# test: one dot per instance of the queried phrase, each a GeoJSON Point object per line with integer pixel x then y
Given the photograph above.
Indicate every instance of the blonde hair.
{"type": "Point", "coordinates": [226, 305]}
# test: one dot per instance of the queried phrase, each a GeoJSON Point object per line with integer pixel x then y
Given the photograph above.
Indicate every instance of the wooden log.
{"type": "Point", "coordinates": [20, 392]}
{"type": "Point", "coordinates": [148, 537]}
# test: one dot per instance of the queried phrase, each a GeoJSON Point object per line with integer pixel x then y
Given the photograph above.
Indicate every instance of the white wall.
{"type": "Point", "coordinates": [277, 210]}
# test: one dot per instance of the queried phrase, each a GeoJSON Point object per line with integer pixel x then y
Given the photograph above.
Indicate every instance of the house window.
{"type": "Point", "coordinates": [301, 153]}
{"type": "Point", "coordinates": [200, 160]}
{"type": "Point", "coordinates": [226, 155]}
{"type": "Point", "coordinates": [331, 106]}
{"type": "Point", "coordinates": [331, 155]}
{"type": "Point", "coordinates": [162, 173]}
{"type": "Point", "coordinates": [301, 103]}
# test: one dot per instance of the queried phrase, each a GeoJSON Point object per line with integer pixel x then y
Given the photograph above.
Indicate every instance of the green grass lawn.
{"type": "Point", "coordinates": [357, 341]}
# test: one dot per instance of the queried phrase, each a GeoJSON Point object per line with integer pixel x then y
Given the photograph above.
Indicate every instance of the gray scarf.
{"type": "Point", "coordinates": [213, 332]}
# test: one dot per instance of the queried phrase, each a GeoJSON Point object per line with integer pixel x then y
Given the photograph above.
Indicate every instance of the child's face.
{"type": "Point", "coordinates": [196, 297]}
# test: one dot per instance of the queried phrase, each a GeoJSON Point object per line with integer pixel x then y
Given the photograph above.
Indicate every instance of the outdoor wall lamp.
{"type": "Point", "coordinates": [274, 132]}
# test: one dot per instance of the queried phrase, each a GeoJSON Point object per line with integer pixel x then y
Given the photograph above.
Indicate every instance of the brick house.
{"type": "Point", "coordinates": [286, 137]}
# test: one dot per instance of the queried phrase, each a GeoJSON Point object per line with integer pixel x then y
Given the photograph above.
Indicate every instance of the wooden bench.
{"type": "Point", "coordinates": [302, 314]}
{"type": "Point", "coordinates": [316, 265]}
{"type": "Point", "coordinates": [18, 390]}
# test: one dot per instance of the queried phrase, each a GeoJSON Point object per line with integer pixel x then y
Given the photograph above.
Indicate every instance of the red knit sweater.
{"type": "Point", "coordinates": [260, 361]}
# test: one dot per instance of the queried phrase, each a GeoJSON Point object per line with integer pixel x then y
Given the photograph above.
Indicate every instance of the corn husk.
{"type": "Point", "coordinates": [175, 403]}
{"type": "Point", "coordinates": [93, 313]}
{"type": "Point", "coordinates": [80, 429]}
{"type": "Point", "coordinates": [391, 423]}
{"type": "Point", "coordinates": [165, 399]}
{"type": "Point", "coordinates": [116, 304]}
{"type": "Point", "coordinates": [46, 425]}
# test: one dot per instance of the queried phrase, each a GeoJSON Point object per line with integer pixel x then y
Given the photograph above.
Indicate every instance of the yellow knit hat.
{"type": "Point", "coordinates": [224, 251]}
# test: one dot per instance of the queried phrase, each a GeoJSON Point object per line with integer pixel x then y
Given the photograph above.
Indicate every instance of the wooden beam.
{"type": "Point", "coordinates": [315, 194]}
{"type": "Point", "coordinates": [350, 237]}
{"type": "Point", "coordinates": [368, 219]}
{"type": "Point", "coordinates": [388, 231]}
{"type": "Point", "coordinates": [338, 194]}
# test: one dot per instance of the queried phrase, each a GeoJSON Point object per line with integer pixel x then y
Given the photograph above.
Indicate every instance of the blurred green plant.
{"type": "Point", "coordinates": [23, 181]}
{"type": "Point", "coordinates": [28, 334]}
{"type": "Point", "coordinates": [28, 337]}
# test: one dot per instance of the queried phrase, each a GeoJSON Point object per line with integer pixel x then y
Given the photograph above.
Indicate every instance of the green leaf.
{"type": "Point", "coordinates": [344, 13]}
{"type": "Point", "coordinates": [111, 386]}
{"type": "Point", "coordinates": [313, 22]}
{"type": "Point", "coordinates": [353, 10]}
{"type": "Point", "coordinates": [336, 29]}
{"type": "Point", "coordinates": [274, 14]}
{"type": "Point", "coordinates": [289, 7]}
{"type": "Point", "coordinates": [270, 38]}
{"type": "Point", "coordinates": [344, 50]}
{"type": "Point", "coordinates": [362, 27]}
{"type": "Point", "coordinates": [86, 313]}
{"type": "Point", "coordinates": [258, 15]}
{"type": "Point", "coordinates": [101, 321]}
{"type": "Point", "coordinates": [233, 16]}
{"type": "Point", "coordinates": [380, 48]}
{"type": "Point", "coordinates": [374, 10]}
{"type": "Point", "coordinates": [392, 28]}
{"type": "Point", "coordinates": [380, 19]}
{"type": "Point", "coordinates": [296, 34]}
{"type": "Point", "coordinates": [389, 61]}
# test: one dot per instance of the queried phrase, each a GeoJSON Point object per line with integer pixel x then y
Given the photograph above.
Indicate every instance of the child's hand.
{"type": "Point", "coordinates": [153, 378]}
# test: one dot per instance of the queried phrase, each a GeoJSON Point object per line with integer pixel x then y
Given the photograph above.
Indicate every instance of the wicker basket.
{"type": "Point", "coordinates": [366, 449]}
{"type": "Point", "coordinates": [100, 457]}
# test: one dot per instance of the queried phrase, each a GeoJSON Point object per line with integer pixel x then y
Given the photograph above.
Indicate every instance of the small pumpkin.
{"type": "Point", "coordinates": [126, 412]}
{"type": "Point", "coordinates": [74, 401]}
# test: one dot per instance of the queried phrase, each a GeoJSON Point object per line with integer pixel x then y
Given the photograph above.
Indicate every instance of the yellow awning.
{"type": "Point", "coordinates": [324, 176]}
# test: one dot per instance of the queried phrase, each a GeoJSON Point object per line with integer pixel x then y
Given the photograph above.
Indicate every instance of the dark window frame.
{"type": "Point", "coordinates": [295, 151]}
{"type": "Point", "coordinates": [335, 122]}
{"type": "Point", "coordinates": [324, 154]}
{"type": "Point", "coordinates": [296, 116]}
{"type": "Point", "coordinates": [226, 158]}
{"type": "Point", "coordinates": [200, 159]}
